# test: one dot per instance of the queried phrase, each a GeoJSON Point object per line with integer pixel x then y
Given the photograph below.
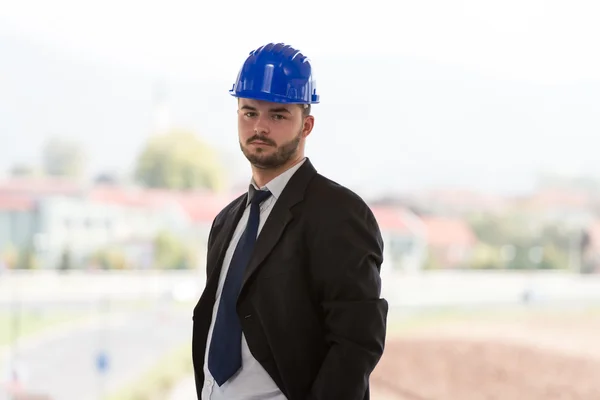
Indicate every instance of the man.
{"type": "Point", "coordinates": [291, 308]}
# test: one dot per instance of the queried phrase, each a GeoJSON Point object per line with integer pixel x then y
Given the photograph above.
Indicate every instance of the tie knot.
{"type": "Point", "coordinates": [258, 196]}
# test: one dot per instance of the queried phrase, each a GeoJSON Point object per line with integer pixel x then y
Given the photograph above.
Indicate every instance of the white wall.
{"type": "Point", "coordinates": [83, 226]}
{"type": "Point", "coordinates": [407, 290]}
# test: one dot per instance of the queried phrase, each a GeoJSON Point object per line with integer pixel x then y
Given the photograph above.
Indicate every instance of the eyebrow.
{"type": "Point", "coordinates": [273, 110]}
{"type": "Point", "coordinates": [279, 110]}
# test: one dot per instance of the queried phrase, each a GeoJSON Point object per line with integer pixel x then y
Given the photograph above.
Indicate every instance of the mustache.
{"type": "Point", "coordinates": [258, 138]}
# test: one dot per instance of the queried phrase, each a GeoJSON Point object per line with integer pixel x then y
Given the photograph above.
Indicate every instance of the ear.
{"type": "Point", "coordinates": [309, 123]}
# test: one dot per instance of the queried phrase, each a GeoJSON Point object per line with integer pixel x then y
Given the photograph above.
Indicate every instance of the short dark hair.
{"type": "Point", "coordinates": [305, 109]}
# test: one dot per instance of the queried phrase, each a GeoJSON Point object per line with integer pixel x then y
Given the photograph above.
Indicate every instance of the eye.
{"type": "Point", "coordinates": [278, 117]}
{"type": "Point", "coordinates": [250, 114]}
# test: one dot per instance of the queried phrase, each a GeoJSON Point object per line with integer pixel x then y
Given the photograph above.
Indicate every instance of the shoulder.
{"type": "Point", "coordinates": [337, 216]}
{"type": "Point", "coordinates": [335, 201]}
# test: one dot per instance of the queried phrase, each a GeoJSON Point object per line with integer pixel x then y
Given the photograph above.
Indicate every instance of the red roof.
{"type": "Point", "coordinates": [133, 197]}
{"type": "Point", "coordinates": [390, 219]}
{"type": "Point", "coordinates": [39, 186]}
{"type": "Point", "coordinates": [560, 198]}
{"type": "Point", "coordinates": [204, 208]}
{"type": "Point", "coordinates": [443, 231]}
{"type": "Point", "coordinates": [201, 206]}
{"type": "Point", "coordinates": [11, 202]}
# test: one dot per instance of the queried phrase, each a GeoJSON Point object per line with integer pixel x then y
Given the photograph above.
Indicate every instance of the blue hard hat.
{"type": "Point", "coordinates": [277, 73]}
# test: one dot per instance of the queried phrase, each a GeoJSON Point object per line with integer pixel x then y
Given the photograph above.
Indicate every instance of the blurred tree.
{"type": "Point", "coordinates": [431, 262]}
{"type": "Point", "coordinates": [27, 258]}
{"type": "Point", "coordinates": [10, 256]}
{"type": "Point", "coordinates": [117, 260]}
{"type": "Point", "coordinates": [172, 252]}
{"type": "Point", "coordinates": [498, 230]}
{"type": "Point", "coordinates": [523, 233]}
{"type": "Point", "coordinates": [558, 236]}
{"type": "Point", "coordinates": [554, 258]}
{"type": "Point", "coordinates": [110, 258]}
{"type": "Point", "coordinates": [107, 178]}
{"type": "Point", "coordinates": [178, 160]}
{"type": "Point", "coordinates": [22, 171]}
{"type": "Point", "coordinates": [485, 256]}
{"type": "Point", "coordinates": [66, 262]}
{"type": "Point", "coordinates": [99, 259]}
{"type": "Point", "coordinates": [63, 158]}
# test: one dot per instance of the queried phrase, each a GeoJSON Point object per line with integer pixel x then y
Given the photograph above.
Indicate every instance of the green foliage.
{"type": "Point", "coordinates": [32, 322]}
{"type": "Point", "coordinates": [178, 160]}
{"type": "Point", "coordinates": [27, 258]}
{"type": "Point", "coordinates": [554, 258]}
{"type": "Point", "coordinates": [431, 262]}
{"type": "Point", "coordinates": [523, 233]}
{"type": "Point", "coordinates": [172, 253]}
{"type": "Point", "coordinates": [157, 381]}
{"type": "Point", "coordinates": [110, 258]}
{"type": "Point", "coordinates": [499, 230]}
{"type": "Point", "coordinates": [66, 262]}
{"type": "Point", "coordinates": [485, 256]}
{"type": "Point", "coordinates": [10, 256]}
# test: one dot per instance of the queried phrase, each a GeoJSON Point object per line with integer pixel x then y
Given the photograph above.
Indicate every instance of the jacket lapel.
{"type": "Point", "coordinates": [280, 217]}
{"type": "Point", "coordinates": [223, 236]}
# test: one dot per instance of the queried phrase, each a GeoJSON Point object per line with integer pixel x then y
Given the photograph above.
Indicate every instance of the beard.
{"type": "Point", "coordinates": [263, 160]}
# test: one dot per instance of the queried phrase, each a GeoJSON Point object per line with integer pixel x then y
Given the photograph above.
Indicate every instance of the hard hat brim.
{"type": "Point", "coordinates": [270, 97]}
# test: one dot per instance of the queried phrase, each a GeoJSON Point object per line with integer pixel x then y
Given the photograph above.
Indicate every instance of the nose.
{"type": "Point", "coordinates": [261, 125]}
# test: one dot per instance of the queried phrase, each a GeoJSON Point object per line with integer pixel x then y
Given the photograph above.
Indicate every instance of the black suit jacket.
{"type": "Point", "coordinates": [310, 304]}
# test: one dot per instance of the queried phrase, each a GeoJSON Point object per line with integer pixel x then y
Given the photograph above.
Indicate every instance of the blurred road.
{"type": "Point", "coordinates": [65, 367]}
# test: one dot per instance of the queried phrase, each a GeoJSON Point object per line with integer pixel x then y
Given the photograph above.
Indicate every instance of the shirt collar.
{"type": "Point", "coordinates": [276, 185]}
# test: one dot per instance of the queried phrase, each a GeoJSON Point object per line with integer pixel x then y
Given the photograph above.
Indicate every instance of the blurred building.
{"type": "Point", "coordinates": [450, 241]}
{"type": "Point", "coordinates": [413, 241]}
{"type": "Point", "coordinates": [51, 218]}
{"type": "Point", "coordinates": [404, 239]}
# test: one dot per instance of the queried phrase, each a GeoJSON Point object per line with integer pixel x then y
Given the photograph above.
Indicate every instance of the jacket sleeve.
{"type": "Point", "coordinates": [210, 242]}
{"type": "Point", "coordinates": [346, 257]}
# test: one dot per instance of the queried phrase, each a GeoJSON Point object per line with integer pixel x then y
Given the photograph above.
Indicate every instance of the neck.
{"type": "Point", "coordinates": [263, 176]}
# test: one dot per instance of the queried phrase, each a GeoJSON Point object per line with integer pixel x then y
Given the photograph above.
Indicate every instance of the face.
{"type": "Point", "coordinates": [272, 134]}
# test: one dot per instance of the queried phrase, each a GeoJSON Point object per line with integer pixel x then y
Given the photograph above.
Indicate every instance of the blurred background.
{"type": "Point", "coordinates": [468, 126]}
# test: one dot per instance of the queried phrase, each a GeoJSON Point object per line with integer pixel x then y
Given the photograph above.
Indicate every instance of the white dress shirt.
{"type": "Point", "coordinates": [251, 382]}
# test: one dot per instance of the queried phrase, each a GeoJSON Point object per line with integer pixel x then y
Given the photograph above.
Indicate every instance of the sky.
{"type": "Point", "coordinates": [544, 41]}
{"type": "Point", "coordinates": [490, 91]}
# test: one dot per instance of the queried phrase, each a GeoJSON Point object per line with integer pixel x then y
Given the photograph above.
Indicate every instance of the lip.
{"type": "Point", "coordinates": [258, 143]}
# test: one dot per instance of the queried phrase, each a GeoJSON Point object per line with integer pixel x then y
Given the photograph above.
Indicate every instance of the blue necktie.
{"type": "Point", "coordinates": [225, 353]}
